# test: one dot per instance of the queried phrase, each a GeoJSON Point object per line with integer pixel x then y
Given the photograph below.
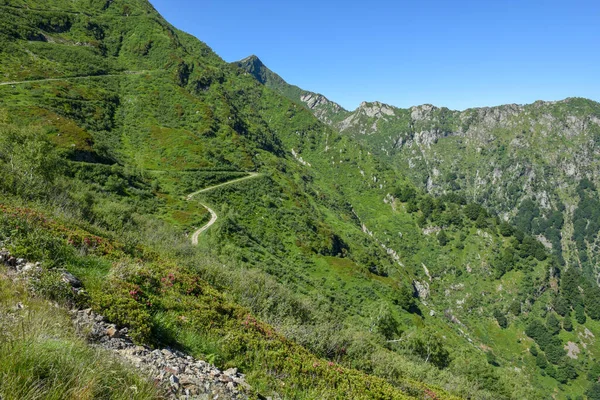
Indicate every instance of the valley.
{"type": "Point", "coordinates": [382, 253]}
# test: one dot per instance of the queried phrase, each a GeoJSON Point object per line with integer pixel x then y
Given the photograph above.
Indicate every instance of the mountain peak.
{"type": "Point", "coordinates": [253, 65]}
{"type": "Point", "coordinates": [252, 59]}
{"type": "Point", "coordinates": [313, 101]}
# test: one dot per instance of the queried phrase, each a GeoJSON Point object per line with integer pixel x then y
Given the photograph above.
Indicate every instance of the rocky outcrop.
{"type": "Point", "coordinates": [180, 375]}
{"type": "Point", "coordinates": [375, 109]}
{"type": "Point", "coordinates": [313, 100]}
{"type": "Point", "coordinates": [323, 108]}
{"type": "Point", "coordinates": [422, 289]}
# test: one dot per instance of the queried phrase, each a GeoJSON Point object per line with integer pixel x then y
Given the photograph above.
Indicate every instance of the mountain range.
{"type": "Point", "coordinates": [377, 253]}
{"type": "Point", "coordinates": [524, 162]}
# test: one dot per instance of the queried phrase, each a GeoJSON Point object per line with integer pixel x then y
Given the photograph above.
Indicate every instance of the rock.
{"type": "Point", "coordinates": [26, 268]}
{"type": "Point", "coordinates": [4, 256]}
{"type": "Point", "coordinates": [422, 289]}
{"type": "Point", "coordinates": [112, 332]}
{"type": "Point", "coordinates": [231, 371]}
{"type": "Point", "coordinates": [70, 279]}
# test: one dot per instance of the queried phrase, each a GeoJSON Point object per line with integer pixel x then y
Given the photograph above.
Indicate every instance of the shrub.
{"type": "Point", "coordinates": [553, 324]}
{"type": "Point", "coordinates": [429, 346]}
{"type": "Point", "coordinates": [500, 318]}
{"type": "Point", "coordinates": [567, 324]}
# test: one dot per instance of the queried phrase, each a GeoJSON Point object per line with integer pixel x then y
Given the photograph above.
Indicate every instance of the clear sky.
{"type": "Point", "coordinates": [458, 54]}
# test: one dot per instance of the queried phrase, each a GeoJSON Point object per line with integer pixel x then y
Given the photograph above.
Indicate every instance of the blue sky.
{"type": "Point", "coordinates": [458, 54]}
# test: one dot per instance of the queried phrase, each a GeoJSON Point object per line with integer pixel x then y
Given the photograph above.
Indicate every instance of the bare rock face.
{"type": "Point", "coordinates": [375, 109]}
{"type": "Point", "coordinates": [321, 106]}
{"type": "Point", "coordinates": [422, 289]}
{"type": "Point", "coordinates": [423, 112]}
{"type": "Point", "coordinates": [313, 100]}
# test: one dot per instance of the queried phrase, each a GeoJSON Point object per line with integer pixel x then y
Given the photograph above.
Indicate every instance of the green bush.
{"type": "Point", "coordinates": [501, 319]}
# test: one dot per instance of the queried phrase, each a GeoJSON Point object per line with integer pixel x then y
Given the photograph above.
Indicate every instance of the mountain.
{"type": "Point", "coordinates": [535, 165]}
{"type": "Point", "coordinates": [324, 109]}
{"type": "Point", "coordinates": [321, 271]}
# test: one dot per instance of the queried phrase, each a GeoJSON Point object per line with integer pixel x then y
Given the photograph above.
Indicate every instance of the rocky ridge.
{"type": "Point", "coordinates": [179, 375]}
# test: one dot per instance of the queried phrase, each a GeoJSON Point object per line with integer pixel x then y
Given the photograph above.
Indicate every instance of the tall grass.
{"type": "Point", "coordinates": [41, 357]}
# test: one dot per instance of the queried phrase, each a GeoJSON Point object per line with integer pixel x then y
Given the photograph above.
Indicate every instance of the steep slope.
{"type": "Point", "coordinates": [467, 138]}
{"type": "Point", "coordinates": [327, 246]}
{"type": "Point", "coordinates": [524, 162]}
{"type": "Point", "coordinates": [324, 109]}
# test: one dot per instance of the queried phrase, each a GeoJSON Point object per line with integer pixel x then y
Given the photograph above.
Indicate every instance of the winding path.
{"type": "Point", "coordinates": [213, 214]}
{"type": "Point", "coordinates": [68, 78]}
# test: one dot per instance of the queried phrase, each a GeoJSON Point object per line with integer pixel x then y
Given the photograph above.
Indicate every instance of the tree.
{"type": "Point", "coordinates": [533, 350]}
{"type": "Point", "coordinates": [506, 229]}
{"type": "Point", "coordinates": [412, 206]}
{"type": "Point", "coordinates": [429, 346]}
{"type": "Point", "coordinates": [427, 205]}
{"type": "Point", "coordinates": [515, 307]}
{"type": "Point", "coordinates": [553, 324]}
{"type": "Point", "coordinates": [405, 193]}
{"type": "Point", "coordinates": [538, 332]}
{"type": "Point", "coordinates": [481, 222]}
{"type": "Point", "coordinates": [502, 321]}
{"type": "Point", "coordinates": [592, 302]}
{"type": "Point", "coordinates": [567, 324]}
{"type": "Point", "coordinates": [593, 374]}
{"type": "Point", "coordinates": [560, 305]}
{"type": "Point", "coordinates": [565, 372]}
{"type": "Point", "coordinates": [593, 393]}
{"type": "Point", "coordinates": [554, 353]}
{"type": "Point", "coordinates": [540, 361]}
{"type": "Point", "coordinates": [472, 211]}
{"type": "Point", "coordinates": [383, 321]}
{"type": "Point", "coordinates": [580, 314]}
{"type": "Point", "coordinates": [405, 297]}
{"type": "Point", "coordinates": [442, 238]}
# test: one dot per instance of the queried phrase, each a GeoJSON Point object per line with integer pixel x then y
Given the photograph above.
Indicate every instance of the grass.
{"type": "Point", "coordinates": [288, 249]}
{"type": "Point", "coordinates": [42, 357]}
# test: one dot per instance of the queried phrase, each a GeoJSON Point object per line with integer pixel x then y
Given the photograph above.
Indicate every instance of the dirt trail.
{"type": "Point", "coordinates": [67, 78]}
{"type": "Point", "coordinates": [213, 214]}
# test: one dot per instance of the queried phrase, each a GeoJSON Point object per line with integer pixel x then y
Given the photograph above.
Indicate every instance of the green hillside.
{"type": "Point", "coordinates": [526, 163]}
{"type": "Point", "coordinates": [329, 275]}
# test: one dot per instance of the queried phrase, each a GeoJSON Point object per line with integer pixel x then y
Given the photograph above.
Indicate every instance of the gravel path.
{"type": "Point", "coordinates": [212, 212]}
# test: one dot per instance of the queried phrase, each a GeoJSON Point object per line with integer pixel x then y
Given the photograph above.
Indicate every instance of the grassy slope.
{"type": "Point", "coordinates": [503, 157]}
{"type": "Point", "coordinates": [461, 292]}
{"type": "Point", "coordinates": [41, 356]}
{"type": "Point", "coordinates": [293, 230]}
